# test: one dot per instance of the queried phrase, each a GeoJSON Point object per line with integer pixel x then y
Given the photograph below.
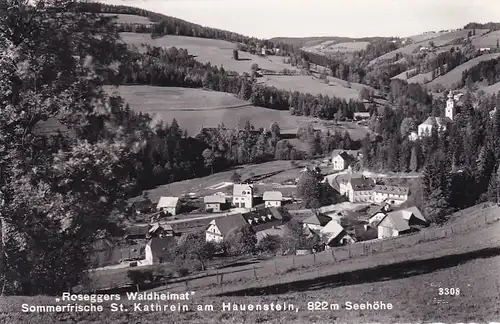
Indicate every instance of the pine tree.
{"type": "Point", "coordinates": [414, 165]}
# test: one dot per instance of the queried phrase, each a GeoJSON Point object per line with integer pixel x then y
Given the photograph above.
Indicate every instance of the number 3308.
{"type": "Point", "coordinates": [449, 291]}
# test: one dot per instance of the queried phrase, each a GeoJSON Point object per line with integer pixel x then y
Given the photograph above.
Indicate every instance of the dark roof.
{"type": "Point", "coordinates": [215, 199]}
{"type": "Point", "coordinates": [397, 221]}
{"type": "Point", "coordinates": [375, 209]}
{"type": "Point", "coordinates": [364, 235]}
{"type": "Point", "coordinates": [318, 219]}
{"type": "Point", "coordinates": [360, 184]}
{"type": "Point", "coordinates": [227, 223]}
{"type": "Point", "coordinates": [392, 189]}
{"type": "Point", "coordinates": [267, 225]}
{"type": "Point", "coordinates": [137, 230]}
{"type": "Point", "coordinates": [162, 245]}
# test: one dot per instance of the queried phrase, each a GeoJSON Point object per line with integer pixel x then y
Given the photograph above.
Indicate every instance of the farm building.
{"type": "Point", "coordinates": [220, 227]}
{"type": "Point", "coordinates": [139, 205]}
{"type": "Point", "coordinates": [136, 232]}
{"type": "Point", "coordinates": [357, 189]}
{"type": "Point", "coordinates": [160, 230]}
{"type": "Point", "coordinates": [158, 249]}
{"type": "Point", "coordinates": [335, 235]}
{"type": "Point", "coordinates": [316, 222]}
{"type": "Point", "coordinates": [170, 205]}
{"type": "Point", "coordinates": [361, 115]}
{"type": "Point", "coordinates": [400, 222]}
{"type": "Point", "coordinates": [272, 198]}
{"type": "Point", "coordinates": [215, 203]}
{"type": "Point", "coordinates": [243, 195]}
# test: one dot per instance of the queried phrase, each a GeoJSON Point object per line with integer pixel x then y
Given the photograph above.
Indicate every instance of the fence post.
{"type": "Point", "coordinates": [349, 248]}
{"type": "Point", "coordinates": [275, 267]}
{"type": "Point", "coordinates": [333, 255]}
{"type": "Point", "coordinates": [217, 275]}
{"type": "Point", "coordinates": [254, 272]}
{"type": "Point", "coordinates": [221, 276]}
{"type": "Point", "coordinates": [293, 261]}
{"type": "Point", "coordinates": [137, 286]}
{"type": "Point", "coordinates": [314, 257]}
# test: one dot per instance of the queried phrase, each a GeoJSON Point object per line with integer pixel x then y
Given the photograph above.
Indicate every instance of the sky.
{"type": "Point", "coordinates": [307, 18]}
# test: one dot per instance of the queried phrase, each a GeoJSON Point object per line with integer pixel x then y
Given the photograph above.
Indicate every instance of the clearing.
{"type": "Point", "coordinates": [449, 79]}
{"type": "Point", "coordinates": [217, 52]}
{"type": "Point", "coordinates": [130, 19]}
{"type": "Point", "coordinates": [330, 47]}
{"type": "Point", "coordinates": [487, 40]}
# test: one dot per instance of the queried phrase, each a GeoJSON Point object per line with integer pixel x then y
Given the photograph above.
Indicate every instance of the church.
{"type": "Point", "coordinates": [425, 129]}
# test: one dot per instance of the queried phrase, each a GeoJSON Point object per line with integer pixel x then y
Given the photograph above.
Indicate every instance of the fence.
{"type": "Point", "coordinates": [275, 271]}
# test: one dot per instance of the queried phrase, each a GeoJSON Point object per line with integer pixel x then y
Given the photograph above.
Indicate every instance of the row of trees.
{"type": "Point", "coordinates": [485, 71]}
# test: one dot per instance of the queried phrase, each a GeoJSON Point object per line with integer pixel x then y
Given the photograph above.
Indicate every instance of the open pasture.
{"type": "Point", "coordinates": [487, 40]}
{"type": "Point", "coordinates": [130, 19]}
{"type": "Point", "coordinates": [330, 47]}
{"type": "Point", "coordinates": [455, 75]}
{"type": "Point", "coordinates": [217, 52]}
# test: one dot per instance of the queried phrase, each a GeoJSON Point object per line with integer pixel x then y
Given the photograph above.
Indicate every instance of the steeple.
{"type": "Point", "coordinates": [450, 106]}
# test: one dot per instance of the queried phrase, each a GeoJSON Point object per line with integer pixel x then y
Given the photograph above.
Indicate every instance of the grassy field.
{"type": "Point", "coordinates": [217, 52]}
{"type": "Point", "coordinates": [440, 39]}
{"type": "Point", "coordinates": [130, 19]}
{"type": "Point", "coordinates": [330, 47]}
{"type": "Point", "coordinates": [492, 89]}
{"type": "Point", "coordinates": [312, 85]}
{"type": "Point", "coordinates": [196, 108]}
{"type": "Point", "coordinates": [455, 75]}
{"type": "Point", "coordinates": [425, 36]}
{"type": "Point", "coordinates": [488, 40]}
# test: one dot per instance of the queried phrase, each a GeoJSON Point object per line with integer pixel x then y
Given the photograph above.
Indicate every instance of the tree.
{"type": "Point", "coordinates": [209, 158]}
{"type": "Point", "coordinates": [195, 246]}
{"type": "Point", "coordinates": [236, 177]}
{"type": "Point", "coordinates": [254, 67]}
{"type": "Point", "coordinates": [235, 54]}
{"type": "Point", "coordinates": [407, 126]}
{"type": "Point", "coordinates": [414, 163]}
{"type": "Point", "coordinates": [269, 244]}
{"type": "Point", "coordinates": [498, 43]}
{"type": "Point", "coordinates": [308, 188]}
{"type": "Point", "coordinates": [241, 240]}
{"type": "Point", "coordinates": [60, 192]}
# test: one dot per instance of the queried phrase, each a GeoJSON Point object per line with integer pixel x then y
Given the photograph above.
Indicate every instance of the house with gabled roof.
{"type": "Point", "coordinates": [170, 205]}
{"type": "Point", "coordinates": [160, 230]}
{"type": "Point", "coordinates": [136, 232]}
{"type": "Point", "coordinates": [243, 196]}
{"type": "Point", "coordinates": [401, 222]}
{"type": "Point", "coordinates": [316, 222]}
{"type": "Point", "coordinates": [334, 234]}
{"type": "Point", "coordinates": [357, 189]}
{"type": "Point", "coordinates": [216, 203]}
{"type": "Point", "coordinates": [159, 249]}
{"type": "Point", "coordinates": [342, 160]}
{"type": "Point", "coordinates": [218, 228]}
{"type": "Point", "coordinates": [272, 198]}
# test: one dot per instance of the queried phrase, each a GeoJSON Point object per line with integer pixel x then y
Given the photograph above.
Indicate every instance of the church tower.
{"type": "Point", "coordinates": [450, 107]}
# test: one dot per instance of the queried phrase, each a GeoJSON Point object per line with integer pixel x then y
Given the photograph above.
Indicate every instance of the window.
{"type": "Point", "coordinates": [244, 193]}
{"type": "Point", "coordinates": [242, 205]}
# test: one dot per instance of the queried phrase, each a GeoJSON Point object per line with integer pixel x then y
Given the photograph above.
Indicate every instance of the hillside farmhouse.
{"type": "Point", "coordinates": [342, 160]}
{"type": "Point", "coordinates": [400, 222]}
{"type": "Point", "coordinates": [334, 234]}
{"type": "Point", "coordinates": [219, 228]}
{"type": "Point", "coordinates": [139, 205]}
{"type": "Point", "coordinates": [158, 249]}
{"type": "Point", "coordinates": [243, 196]}
{"type": "Point", "coordinates": [396, 194]}
{"type": "Point", "coordinates": [215, 203]}
{"type": "Point", "coordinates": [272, 198]}
{"type": "Point", "coordinates": [136, 232]}
{"type": "Point", "coordinates": [316, 222]}
{"type": "Point", "coordinates": [160, 230]}
{"type": "Point", "coordinates": [170, 205]}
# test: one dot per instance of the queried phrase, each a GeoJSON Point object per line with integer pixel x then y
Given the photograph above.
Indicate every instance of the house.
{"type": "Point", "coordinates": [357, 189]}
{"type": "Point", "coordinates": [219, 228]}
{"type": "Point", "coordinates": [378, 214]}
{"type": "Point", "coordinates": [400, 222]}
{"type": "Point", "coordinates": [335, 235]}
{"type": "Point", "coordinates": [139, 205]}
{"type": "Point", "coordinates": [425, 129]}
{"type": "Point", "coordinates": [272, 198]}
{"type": "Point", "coordinates": [243, 195]}
{"type": "Point", "coordinates": [160, 230]}
{"type": "Point", "coordinates": [342, 160]}
{"type": "Point", "coordinates": [136, 232]}
{"type": "Point", "coordinates": [215, 203]}
{"type": "Point", "coordinates": [316, 222]}
{"type": "Point", "coordinates": [492, 113]}
{"type": "Point", "coordinates": [158, 249]}
{"type": "Point", "coordinates": [276, 230]}
{"type": "Point", "coordinates": [170, 205]}
{"type": "Point", "coordinates": [361, 115]}
{"type": "Point", "coordinates": [393, 193]}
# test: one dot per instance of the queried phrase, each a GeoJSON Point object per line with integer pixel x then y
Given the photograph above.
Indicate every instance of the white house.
{"type": "Point", "coordinates": [272, 198]}
{"type": "Point", "coordinates": [396, 194]}
{"type": "Point", "coordinates": [400, 222]}
{"type": "Point", "coordinates": [243, 195]}
{"type": "Point", "coordinates": [219, 228]}
{"type": "Point", "coordinates": [341, 161]}
{"type": "Point", "coordinates": [169, 205]}
{"type": "Point", "coordinates": [215, 203]}
{"type": "Point", "coordinates": [158, 249]}
{"type": "Point", "coordinates": [334, 234]}
{"type": "Point", "coordinates": [357, 189]}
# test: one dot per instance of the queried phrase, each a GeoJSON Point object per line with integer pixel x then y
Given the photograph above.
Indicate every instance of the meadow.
{"type": "Point", "coordinates": [217, 52]}
{"type": "Point", "coordinates": [330, 47]}
{"type": "Point", "coordinates": [455, 75]}
{"type": "Point", "coordinates": [130, 19]}
{"type": "Point", "coordinates": [487, 40]}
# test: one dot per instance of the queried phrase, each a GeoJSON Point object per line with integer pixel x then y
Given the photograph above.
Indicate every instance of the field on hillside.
{"type": "Point", "coordinates": [196, 108]}
{"type": "Point", "coordinates": [441, 39]}
{"type": "Point", "coordinates": [217, 52]}
{"type": "Point", "coordinates": [488, 40]}
{"type": "Point", "coordinates": [492, 89]}
{"type": "Point", "coordinates": [130, 19]}
{"type": "Point", "coordinates": [329, 47]}
{"type": "Point", "coordinates": [455, 75]}
{"type": "Point", "coordinates": [310, 84]}
{"type": "Point", "coordinates": [425, 36]}
{"type": "Point", "coordinates": [402, 76]}
{"type": "Point", "coordinates": [421, 78]}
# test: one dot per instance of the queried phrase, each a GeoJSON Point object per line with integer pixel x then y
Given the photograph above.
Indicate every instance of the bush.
{"type": "Point", "coordinates": [269, 244]}
{"type": "Point", "coordinates": [140, 277]}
